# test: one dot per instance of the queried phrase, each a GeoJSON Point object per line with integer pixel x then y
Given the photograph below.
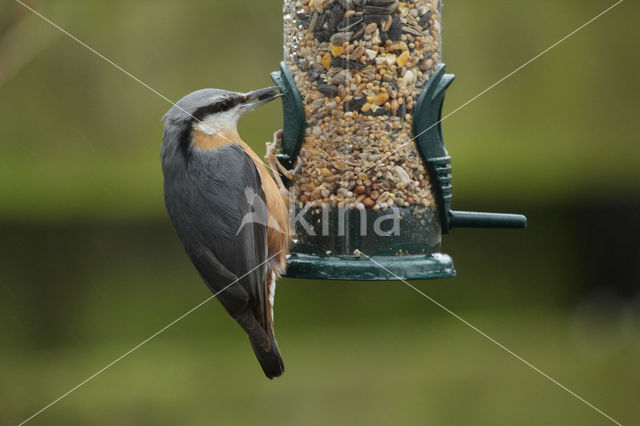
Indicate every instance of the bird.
{"type": "Point", "coordinates": [231, 215]}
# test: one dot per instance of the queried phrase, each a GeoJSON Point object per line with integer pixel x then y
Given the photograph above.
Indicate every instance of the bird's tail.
{"type": "Point", "coordinates": [264, 345]}
{"type": "Point", "coordinates": [270, 360]}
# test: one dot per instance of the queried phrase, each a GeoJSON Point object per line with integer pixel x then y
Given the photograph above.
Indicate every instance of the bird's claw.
{"type": "Point", "coordinates": [297, 167]}
{"type": "Point", "coordinates": [276, 167]}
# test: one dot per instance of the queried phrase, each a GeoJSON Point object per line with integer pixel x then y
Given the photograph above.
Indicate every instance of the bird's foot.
{"type": "Point", "coordinates": [273, 146]}
{"type": "Point", "coordinates": [277, 169]}
{"type": "Point", "coordinates": [296, 168]}
{"type": "Point", "coordinates": [272, 162]}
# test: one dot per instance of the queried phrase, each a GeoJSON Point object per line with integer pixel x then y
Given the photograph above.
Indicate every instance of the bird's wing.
{"type": "Point", "coordinates": [207, 206]}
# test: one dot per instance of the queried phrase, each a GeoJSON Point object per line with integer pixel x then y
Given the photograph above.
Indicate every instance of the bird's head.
{"type": "Point", "coordinates": [215, 109]}
{"type": "Point", "coordinates": [212, 111]}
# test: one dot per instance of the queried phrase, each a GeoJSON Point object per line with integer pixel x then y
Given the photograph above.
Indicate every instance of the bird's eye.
{"type": "Point", "coordinates": [224, 104]}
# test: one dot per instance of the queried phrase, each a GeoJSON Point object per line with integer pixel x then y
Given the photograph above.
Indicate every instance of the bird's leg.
{"type": "Point", "coordinates": [276, 167]}
{"type": "Point", "coordinates": [296, 168]}
{"type": "Point", "coordinates": [271, 158]}
{"type": "Point", "coordinates": [274, 164]}
{"type": "Point", "coordinates": [273, 146]}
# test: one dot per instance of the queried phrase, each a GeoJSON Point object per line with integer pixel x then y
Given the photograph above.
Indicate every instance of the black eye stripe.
{"type": "Point", "coordinates": [221, 105]}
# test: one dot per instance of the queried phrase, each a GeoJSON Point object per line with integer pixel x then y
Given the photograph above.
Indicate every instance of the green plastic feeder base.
{"type": "Point", "coordinates": [385, 268]}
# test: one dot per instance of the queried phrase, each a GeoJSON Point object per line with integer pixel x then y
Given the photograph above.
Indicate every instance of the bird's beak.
{"type": "Point", "coordinates": [260, 97]}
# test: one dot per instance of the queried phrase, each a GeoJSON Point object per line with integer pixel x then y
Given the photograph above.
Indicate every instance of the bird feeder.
{"type": "Point", "coordinates": [363, 86]}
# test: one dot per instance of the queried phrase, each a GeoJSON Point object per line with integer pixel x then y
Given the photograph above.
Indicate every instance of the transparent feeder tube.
{"type": "Point", "coordinates": [360, 66]}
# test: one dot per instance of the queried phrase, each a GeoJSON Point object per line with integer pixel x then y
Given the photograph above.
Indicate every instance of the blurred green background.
{"type": "Point", "coordinates": [90, 266]}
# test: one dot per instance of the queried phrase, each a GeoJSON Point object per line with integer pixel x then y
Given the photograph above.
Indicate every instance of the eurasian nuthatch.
{"type": "Point", "coordinates": [227, 209]}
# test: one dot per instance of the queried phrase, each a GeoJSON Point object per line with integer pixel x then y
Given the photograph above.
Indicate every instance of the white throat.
{"type": "Point", "coordinates": [220, 122]}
